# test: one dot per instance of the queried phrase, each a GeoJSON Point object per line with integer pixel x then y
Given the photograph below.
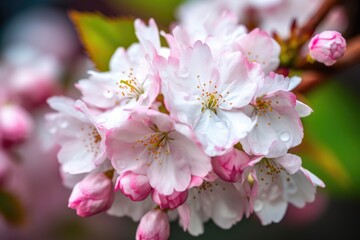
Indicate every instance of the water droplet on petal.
{"type": "Point", "coordinates": [53, 130]}
{"type": "Point", "coordinates": [163, 74]}
{"type": "Point", "coordinates": [291, 188]}
{"type": "Point", "coordinates": [220, 124]}
{"type": "Point", "coordinates": [121, 164]}
{"type": "Point", "coordinates": [258, 205]}
{"type": "Point", "coordinates": [64, 124]}
{"type": "Point", "coordinates": [102, 120]}
{"type": "Point", "coordinates": [108, 94]}
{"type": "Point", "coordinates": [285, 136]}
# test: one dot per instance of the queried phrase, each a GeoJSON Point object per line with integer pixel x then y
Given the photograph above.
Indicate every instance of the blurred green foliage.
{"type": "Point", "coordinates": [11, 208]}
{"type": "Point", "coordinates": [101, 35]}
{"type": "Point", "coordinates": [331, 144]}
{"type": "Point", "coordinates": [163, 11]}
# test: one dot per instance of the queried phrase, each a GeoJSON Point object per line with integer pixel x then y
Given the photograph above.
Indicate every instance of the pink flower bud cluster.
{"type": "Point", "coordinates": [199, 130]}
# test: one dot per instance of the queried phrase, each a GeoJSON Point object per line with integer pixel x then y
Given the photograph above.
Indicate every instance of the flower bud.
{"type": "Point", "coordinates": [153, 226]}
{"type": "Point", "coordinates": [327, 47]}
{"type": "Point", "coordinates": [94, 194]}
{"type": "Point", "coordinates": [134, 186]}
{"type": "Point", "coordinates": [15, 123]}
{"type": "Point", "coordinates": [171, 201]}
{"type": "Point", "coordinates": [229, 166]}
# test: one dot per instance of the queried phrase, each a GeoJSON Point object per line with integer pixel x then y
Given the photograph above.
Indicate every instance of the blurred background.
{"type": "Point", "coordinates": [39, 46]}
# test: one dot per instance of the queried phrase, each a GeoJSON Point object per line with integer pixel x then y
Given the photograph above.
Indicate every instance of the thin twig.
{"type": "Point", "coordinates": [316, 19]}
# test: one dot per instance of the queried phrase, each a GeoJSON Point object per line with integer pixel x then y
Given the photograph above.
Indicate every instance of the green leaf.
{"type": "Point", "coordinates": [102, 35]}
{"type": "Point", "coordinates": [162, 11]}
{"type": "Point", "coordinates": [331, 145]}
{"type": "Point", "coordinates": [11, 208]}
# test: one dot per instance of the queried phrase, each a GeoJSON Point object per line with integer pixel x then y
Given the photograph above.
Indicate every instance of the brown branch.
{"type": "Point", "coordinates": [351, 56]}
{"type": "Point", "coordinates": [317, 73]}
{"type": "Point", "coordinates": [310, 80]}
{"type": "Point", "coordinates": [315, 20]}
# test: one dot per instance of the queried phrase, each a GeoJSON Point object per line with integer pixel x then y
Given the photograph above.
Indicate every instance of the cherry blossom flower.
{"type": "Point", "coordinates": [220, 34]}
{"type": "Point", "coordinates": [278, 115]}
{"type": "Point", "coordinates": [214, 199]}
{"type": "Point", "coordinates": [209, 95]}
{"type": "Point", "coordinates": [123, 206]}
{"type": "Point", "coordinates": [82, 140]}
{"type": "Point", "coordinates": [131, 82]}
{"type": "Point", "coordinates": [15, 123]}
{"type": "Point", "coordinates": [128, 84]}
{"type": "Point", "coordinates": [151, 143]}
{"type": "Point", "coordinates": [259, 47]}
{"type": "Point", "coordinates": [280, 181]}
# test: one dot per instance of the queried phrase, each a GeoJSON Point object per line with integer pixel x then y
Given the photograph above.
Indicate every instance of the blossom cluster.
{"type": "Point", "coordinates": [195, 131]}
{"type": "Point", "coordinates": [20, 97]}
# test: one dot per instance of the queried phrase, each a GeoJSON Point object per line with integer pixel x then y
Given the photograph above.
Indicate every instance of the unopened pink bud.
{"type": "Point", "coordinates": [134, 186]}
{"type": "Point", "coordinates": [153, 226]}
{"type": "Point", "coordinates": [327, 47]}
{"type": "Point", "coordinates": [229, 166]}
{"type": "Point", "coordinates": [171, 201]}
{"type": "Point", "coordinates": [94, 194]}
{"type": "Point", "coordinates": [15, 123]}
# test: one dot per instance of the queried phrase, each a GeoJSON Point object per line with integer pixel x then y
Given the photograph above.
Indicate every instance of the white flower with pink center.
{"type": "Point", "coordinates": [259, 47]}
{"type": "Point", "coordinates": [278, 113]}
{"type": "Point", "coordinates": [281, 181]}
{"type": "Point", "coordinates": [128, 84]}
{"type": "Point", "coordinates": [210, 95]}
{"type": "Point", "coordinates": [220, 34]}
{"type": "Point", "coordinates": [213, 199]}
{"type": "Point", "coordinates": [150, 143]}
{"type": "Point", "coordinates": [81, 139]}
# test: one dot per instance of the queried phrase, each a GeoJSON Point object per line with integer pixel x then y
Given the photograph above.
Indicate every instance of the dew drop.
{"type": "Point", "coordinates": [291, 188]}
{"type": "Point", "coordinates": [64, 124]}
{"type": "Point", "coordinates": [163, 74]}
{"type": "Point", "coordinates": [108, 94]}
{"type": "Point", "coordinates": [220, 125]}
{"type": "Point", "coordinates": [121, 164]}
{"type": "Point", "coordinates": [53, 130]}
{"type": "Point", "coordinates": [285, 136]}
{"type": "Point", "coordinates": [258, 205]}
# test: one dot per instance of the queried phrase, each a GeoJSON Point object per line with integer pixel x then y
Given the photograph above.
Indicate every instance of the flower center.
{"type": "Point", "coordinates": [209, 97]}
{"type": "Point", "coordinates": [91, 139]}
{"type": "Point", "coordinates": [268, 172]}
{"type": "Point", "coordinates": [130, 87]}
{"type": "Point", "coordinates": [156, 147]}
{"type": "Point", "coordinates": [263, 106]}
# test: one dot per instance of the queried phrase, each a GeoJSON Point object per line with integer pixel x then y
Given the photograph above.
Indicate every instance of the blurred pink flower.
{"type": "Point", "coordinates": [15, 123]}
